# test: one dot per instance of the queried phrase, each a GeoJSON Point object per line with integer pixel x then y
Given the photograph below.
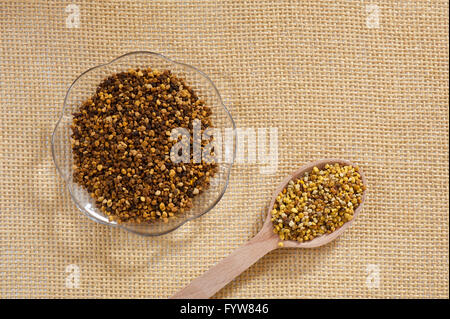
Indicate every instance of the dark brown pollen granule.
{"type": "Point", "coordinates": [121, 146]}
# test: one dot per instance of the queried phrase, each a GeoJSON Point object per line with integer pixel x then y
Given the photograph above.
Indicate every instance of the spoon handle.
{"type": "Point", "coordinates": [229, 268]}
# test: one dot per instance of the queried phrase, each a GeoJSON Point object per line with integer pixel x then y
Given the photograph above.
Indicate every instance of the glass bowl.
{"type": "Point", "coordinates": [84, 87]}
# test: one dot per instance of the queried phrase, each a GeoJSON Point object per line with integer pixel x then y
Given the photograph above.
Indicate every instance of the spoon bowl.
{"type": "Point", "coordinates": [265, 241]}
{"type": "Point", "coordinates": [326, 238]}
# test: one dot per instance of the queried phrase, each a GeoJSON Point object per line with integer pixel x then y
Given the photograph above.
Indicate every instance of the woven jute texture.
{"type": "Point", "coordinates": [364, 81]}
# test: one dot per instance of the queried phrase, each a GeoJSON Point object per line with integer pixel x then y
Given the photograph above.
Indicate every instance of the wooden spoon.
{"type": "Point", "coordinates": [265, 241]}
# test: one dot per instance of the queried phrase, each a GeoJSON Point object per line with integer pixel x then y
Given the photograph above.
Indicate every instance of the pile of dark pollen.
{"type": "Point", "coordinates": [121, 143]}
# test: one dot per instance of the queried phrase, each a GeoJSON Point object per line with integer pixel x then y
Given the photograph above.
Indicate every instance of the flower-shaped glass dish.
{"type": "Point", "coordinates": [84, 87]}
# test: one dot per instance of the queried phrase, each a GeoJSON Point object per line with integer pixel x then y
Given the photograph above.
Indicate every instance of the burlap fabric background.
{"type": "Point", "coordinates": [338, 79]}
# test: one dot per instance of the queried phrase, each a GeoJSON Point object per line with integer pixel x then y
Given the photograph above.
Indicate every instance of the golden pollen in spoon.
{"type": "Point", "coordinates": [318, 202]}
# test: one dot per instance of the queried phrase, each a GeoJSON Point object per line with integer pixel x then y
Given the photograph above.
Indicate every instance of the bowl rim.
{"type": "Point", "coordinates": [67, 182]}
